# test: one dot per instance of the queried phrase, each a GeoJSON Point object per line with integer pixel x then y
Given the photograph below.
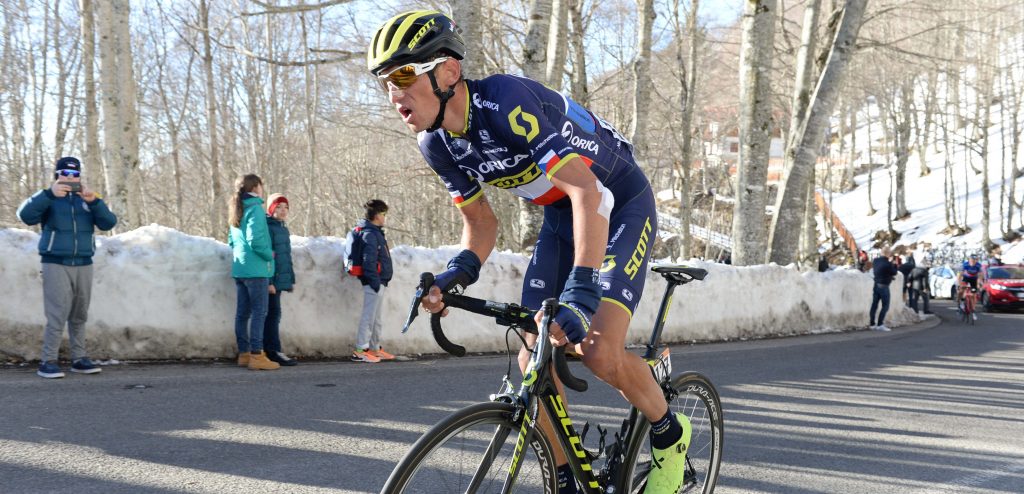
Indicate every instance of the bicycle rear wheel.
{"type": "Point", "coordinates": [696, 398]}
{"type": "Point", "coordinates": [471, 451]}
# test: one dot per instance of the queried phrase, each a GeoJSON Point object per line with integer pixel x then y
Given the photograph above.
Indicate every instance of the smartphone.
{"type": "Point", "coordinates": [75, 186]}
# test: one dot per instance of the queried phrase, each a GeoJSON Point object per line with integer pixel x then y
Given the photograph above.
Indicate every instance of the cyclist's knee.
{"type": "Point", "coordinates": [603, 362]}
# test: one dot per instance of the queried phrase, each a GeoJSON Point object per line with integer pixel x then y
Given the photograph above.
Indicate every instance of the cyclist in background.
{"type": "Point", "coordinates": [969, 274]}
{"type": "Point", "coordinates": [599, 212]}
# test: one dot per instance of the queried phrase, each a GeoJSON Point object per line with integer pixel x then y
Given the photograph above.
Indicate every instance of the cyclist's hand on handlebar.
{"type": "Point", "coordinates": [432, 302]}
{"type": "Point", "coordinates": [555, 333]}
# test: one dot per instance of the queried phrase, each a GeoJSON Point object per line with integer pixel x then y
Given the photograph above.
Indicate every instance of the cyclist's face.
{"type": "Point", "coordinates": [417, 104]}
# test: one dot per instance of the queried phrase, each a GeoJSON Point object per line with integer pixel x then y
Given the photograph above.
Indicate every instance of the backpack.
{"type": "Point", "coordinates": [354, 252]}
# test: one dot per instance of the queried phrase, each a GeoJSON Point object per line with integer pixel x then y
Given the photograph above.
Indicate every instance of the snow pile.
{"type": "Point", "coordinates": [158, 293]}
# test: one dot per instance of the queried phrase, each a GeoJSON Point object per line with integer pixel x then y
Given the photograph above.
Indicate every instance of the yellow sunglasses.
{"type": "Point", "coordinates": [404, 76]}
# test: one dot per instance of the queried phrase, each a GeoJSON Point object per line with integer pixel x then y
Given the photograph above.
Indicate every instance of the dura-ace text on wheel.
{"type": "Point", "coordinates": [694, 396]}
{"type": "Point", "coordinates": [470, 451]}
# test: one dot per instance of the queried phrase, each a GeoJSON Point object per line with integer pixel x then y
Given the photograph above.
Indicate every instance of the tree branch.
{"type": "Point", "coordinates": [291, 9]}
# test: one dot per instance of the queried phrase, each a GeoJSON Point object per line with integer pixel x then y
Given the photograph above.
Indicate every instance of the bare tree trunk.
{"type": "Point", "coordinates": [535, 46]}
{"type": "Point", "coordinates": [129, 114]}
{"type": "Point", "coordinates": [851, 165]}
{"type": "Point", "coordinates": [687, 97]}
{"type": "Point", "coordinates": [579, 91]}
{"type": "Point", "coordinates": [901, 127]}
{"type": "Point", "coordinates": [871, 161]}
{"type": "Point", "coordinates": [467, 14]}
{"type": "Point", "coordinates": [534, 66]}
{"type": "Point", "coordinates": [748, 232]}
{"type": "Point", "coordinates": [92, 131]}
{"type": "Point", "coordinates": [642, 79]}
{"type": "Point", "coordinates": [311, 97]}
{"type": "Point", "coordinates": [218, 220]}
{"type": "Point", "coordinates": [791, 197]}
{"type": "Point", "coordinates": [114, 144]}
{"type": "Point", "coordinates": [558, 44]}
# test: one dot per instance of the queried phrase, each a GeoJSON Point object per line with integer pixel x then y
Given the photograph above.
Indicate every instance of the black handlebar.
{"type": "Point", "coordinates": [512, 315]}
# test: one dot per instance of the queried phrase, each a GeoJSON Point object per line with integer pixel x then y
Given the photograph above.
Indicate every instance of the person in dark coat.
{"type": "Point", "coordinates": [377, 272]}
{"type": "Point", "coordinates": [919, 286]}
{"type": "Point", "coordinates": [905, 269]}
{"type": "Point", "coordinates": [283, 279]}
{"type": "Point", "coordinates": [884, 271]}
{"type": "Point", "coordinates": [69, 212]}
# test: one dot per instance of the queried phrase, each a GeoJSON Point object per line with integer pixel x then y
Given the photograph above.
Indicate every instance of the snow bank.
{"type": "Point", "coordinates": [158, 293]}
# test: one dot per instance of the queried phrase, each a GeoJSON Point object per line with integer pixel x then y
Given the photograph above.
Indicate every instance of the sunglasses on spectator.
{"type": "Point", "coordinates": [404, 76]}
{"type": "Point", "coordinates": [69, 173]}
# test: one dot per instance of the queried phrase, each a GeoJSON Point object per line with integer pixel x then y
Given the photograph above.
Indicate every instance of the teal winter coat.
{"type": "Point", "coordinates": [252, 254]}
{"type": "Point", "coordinates": [281, 240]}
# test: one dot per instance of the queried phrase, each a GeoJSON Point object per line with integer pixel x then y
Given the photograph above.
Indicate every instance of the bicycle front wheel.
{"type": "Point", "coordinates": [696, 398]}
{"type": "Point", "coordinates": [472, 451]}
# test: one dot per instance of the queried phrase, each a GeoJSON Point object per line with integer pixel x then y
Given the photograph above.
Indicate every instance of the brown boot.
{"type": "Point", "coordinates": [261, 362]}
{"type": "Point", "coordinates": [243, 359]}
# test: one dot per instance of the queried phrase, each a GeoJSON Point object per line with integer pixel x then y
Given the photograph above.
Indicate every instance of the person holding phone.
{"type": "Point", "coordinates": [69, 213]}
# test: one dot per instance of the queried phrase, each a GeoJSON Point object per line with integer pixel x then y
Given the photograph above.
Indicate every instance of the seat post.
{"type": "Point", "coordinates": [666, 300]}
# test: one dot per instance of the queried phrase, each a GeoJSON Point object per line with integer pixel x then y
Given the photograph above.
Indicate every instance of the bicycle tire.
{"type": "Point", "coordinates": [698, 399]}
{"type": "Point", "coordinates": [445, 458]}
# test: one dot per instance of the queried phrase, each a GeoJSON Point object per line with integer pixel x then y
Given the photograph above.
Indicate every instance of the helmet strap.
{"type": "Point", "coordinates": [444, 96]}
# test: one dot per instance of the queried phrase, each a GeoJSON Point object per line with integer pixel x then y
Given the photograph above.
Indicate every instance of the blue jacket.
{"type": "Point", "coordinates": [281, 241]}
{"type": "Point", "coordinates": [884, 270]}
{"type": "Point", "coordinates": [377, 269]}
{"type": "Point", "coordinates": [69, 226]}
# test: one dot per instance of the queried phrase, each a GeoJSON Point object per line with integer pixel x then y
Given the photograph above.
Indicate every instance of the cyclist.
{"type": "Point", "coordinates": [969, 273]}
{"type": "Point", "coordinates": [599, 212]}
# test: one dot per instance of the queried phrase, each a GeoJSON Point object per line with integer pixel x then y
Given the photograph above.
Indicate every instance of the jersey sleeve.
{"type": "Point", "coordinates": [463, 188]}
{"type": "Point", "coordinates": [532, 119]}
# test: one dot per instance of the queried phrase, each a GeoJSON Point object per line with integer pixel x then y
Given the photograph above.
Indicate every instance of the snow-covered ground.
{"type": "Point", "coordinates": [160, 294]}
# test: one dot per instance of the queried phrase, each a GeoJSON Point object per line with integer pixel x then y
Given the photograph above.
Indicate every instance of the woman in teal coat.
{"type": "Point", "coordinates": [252, 266]}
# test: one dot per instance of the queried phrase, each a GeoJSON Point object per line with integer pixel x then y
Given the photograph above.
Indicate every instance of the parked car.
{"type": "Point", "coordinates": [942, 282]}
{"type": "Point", "coordinates": [1004, 287]}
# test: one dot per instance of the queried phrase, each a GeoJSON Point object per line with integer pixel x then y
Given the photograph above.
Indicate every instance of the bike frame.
{"type": "Point", "coordinates": [538, 391]}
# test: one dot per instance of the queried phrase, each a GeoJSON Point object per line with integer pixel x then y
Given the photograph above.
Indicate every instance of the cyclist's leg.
{"type": "Point", "coordinates": [545, 277]}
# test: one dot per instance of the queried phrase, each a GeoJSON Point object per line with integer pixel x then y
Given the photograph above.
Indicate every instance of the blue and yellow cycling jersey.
{"type": "Point", "coordinates": [518, 134]}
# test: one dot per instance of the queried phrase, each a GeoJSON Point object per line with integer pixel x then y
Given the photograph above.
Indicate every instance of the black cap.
{"type": "Point", "coordinates": [69, 163]}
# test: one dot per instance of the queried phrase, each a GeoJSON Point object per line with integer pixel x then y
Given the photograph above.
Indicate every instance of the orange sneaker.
{"type": "Point", "coordinates": [243, 359]}
{"type": "Point", "coordinates": [364, 356]}
{"type": "Point", "coordinates": [381, 354]}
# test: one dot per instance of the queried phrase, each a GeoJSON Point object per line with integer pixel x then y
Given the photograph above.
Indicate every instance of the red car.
{"type": "Point", "coordinates": [1004, 287]}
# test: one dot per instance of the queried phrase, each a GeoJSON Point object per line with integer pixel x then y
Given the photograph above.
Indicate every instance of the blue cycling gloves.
{"type": "Point", "coordinates": [579, 302]}
{"type": "Point", "coordinates": [463, 270]}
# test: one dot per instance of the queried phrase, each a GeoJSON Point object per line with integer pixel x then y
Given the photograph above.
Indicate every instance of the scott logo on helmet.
{"type": "Point", "coordinates": [419, 34]}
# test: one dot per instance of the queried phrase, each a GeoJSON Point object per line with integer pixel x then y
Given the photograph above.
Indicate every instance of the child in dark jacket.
{"type": "Point", "coordinates": [283, 279]}
{"type": "Point", "coordinates": [377, 272]}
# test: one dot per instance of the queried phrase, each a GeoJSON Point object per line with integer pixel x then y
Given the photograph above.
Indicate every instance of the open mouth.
{"type": "Point", "coordinates": [406, 113]}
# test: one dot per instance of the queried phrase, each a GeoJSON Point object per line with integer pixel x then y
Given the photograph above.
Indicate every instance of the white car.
{"type": "Point", "coordinates": [942, 282]}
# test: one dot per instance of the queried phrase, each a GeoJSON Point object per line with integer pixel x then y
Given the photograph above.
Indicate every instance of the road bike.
{"type": "Point", "coordinates": [967, 305]}
{"type": "Point", "coordinates": [496, 446]}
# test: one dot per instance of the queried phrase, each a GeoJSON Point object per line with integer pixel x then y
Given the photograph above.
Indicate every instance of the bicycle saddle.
{"type": "Point", "coordinates": [668, 269]}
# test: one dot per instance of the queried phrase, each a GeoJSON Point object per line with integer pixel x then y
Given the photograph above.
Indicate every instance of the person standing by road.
{"type": "Point", "coordinates": [919, 286]}
{"type": "Point", "coordinates": [69, 212]}
{"type": "Point", "coordinates": [884, 270]}
{"type": "Point", "coordinates": [283, 280]}
{"type": "Point", "coordinates": [377, 272]}
{"type": "Point", "coordinates": [252, 266]}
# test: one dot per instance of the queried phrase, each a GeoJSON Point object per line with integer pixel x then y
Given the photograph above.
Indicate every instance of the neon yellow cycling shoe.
{"type": "Point", "coordinates": [668, 466]}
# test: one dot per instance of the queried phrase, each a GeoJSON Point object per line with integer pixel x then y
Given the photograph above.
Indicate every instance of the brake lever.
{"type": "Point", "coordinates": [426, 281]}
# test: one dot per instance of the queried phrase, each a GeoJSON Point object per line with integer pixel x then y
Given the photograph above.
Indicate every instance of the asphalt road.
{"type": "Point", "coordinates": [931, 408]}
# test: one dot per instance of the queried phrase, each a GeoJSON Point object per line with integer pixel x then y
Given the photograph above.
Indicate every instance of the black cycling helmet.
{"type": "Point", "coordinates": [413, 36]}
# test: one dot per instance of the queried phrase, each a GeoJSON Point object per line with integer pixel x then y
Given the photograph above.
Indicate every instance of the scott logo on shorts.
{"type": "Point", "coordinates": [635, 260]}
